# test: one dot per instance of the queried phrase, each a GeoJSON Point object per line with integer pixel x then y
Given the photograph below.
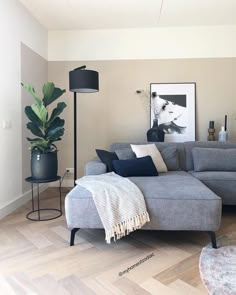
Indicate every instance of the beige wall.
{"type": "Point", "coordinates": [33, 71]}
{"type": "Point", "coordinates": [116, 113]}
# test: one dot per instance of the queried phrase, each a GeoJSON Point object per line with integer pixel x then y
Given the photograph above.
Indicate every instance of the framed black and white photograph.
{"type": "Point", "coordinates": [173, 105]}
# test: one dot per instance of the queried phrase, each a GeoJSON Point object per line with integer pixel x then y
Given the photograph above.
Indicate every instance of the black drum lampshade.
{"type": "Point", "coordinates": [83, 81]}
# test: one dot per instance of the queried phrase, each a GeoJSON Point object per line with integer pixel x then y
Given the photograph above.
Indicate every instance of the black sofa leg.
{"type": "Point", "coordinates": [213, 239]}
{"type": "Point", "coordinates": [72, 236]}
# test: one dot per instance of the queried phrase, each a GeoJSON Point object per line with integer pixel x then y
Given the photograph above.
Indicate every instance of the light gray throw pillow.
{"type": "Point", "coordinates": [212, 159]}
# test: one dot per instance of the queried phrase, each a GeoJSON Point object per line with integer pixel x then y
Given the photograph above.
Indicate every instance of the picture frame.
{"type": "Point", "coordinates": [174, 106]}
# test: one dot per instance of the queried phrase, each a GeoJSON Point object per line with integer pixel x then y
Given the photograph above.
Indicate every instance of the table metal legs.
{"type": "Point", "coordinates": [39, 210]}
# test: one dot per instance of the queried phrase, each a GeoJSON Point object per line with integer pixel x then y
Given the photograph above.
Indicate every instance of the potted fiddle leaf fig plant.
{"type": "Point", "coordinates": [48, 128]}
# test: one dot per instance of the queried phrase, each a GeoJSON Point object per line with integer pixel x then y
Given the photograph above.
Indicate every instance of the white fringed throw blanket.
{"type": "Point", "coordinates": [119, 202]}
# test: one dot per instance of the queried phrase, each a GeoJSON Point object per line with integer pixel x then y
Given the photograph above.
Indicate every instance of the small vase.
{"type": "Point", "coordinates": [155, 134]}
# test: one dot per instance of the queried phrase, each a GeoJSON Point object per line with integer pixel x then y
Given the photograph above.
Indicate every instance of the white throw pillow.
{"type": "Point", "coordinates": [150, 150]}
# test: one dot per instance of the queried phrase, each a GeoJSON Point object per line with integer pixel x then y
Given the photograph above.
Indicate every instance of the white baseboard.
{"type": "Point", "coordinates": [13, 205]}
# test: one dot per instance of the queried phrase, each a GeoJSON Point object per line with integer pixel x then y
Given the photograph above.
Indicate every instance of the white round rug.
{"type": "Point", "coordinates": [218, 266]}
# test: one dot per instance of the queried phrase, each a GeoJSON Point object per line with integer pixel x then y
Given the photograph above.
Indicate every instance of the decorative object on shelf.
{"type": "Point", "coordinates": [81, 81]}
{"type": "Point", "coordinates": [155, 134]}
{"type": "Point", "coordinates": [174, 104]}
{"type": "Point", "coordinates": [223, 134]}
{"type": "Point", "coordinates": [211, 131]}
{"type": "Point", "coordinates": [225, 122]}
{"type": "Point", "coordinates": [227, 135]}
{"type": "Point", "coordinates": [48, 128]}
{"type": "Point", "coordinates": [211, 124]}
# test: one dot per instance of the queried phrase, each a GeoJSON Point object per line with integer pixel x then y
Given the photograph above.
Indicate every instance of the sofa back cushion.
{"type": "Point", "coordinates": [213, 159]}
{"type": "Point", "coordinates": [171, 158]}
{"type": "Point", "coordinates": [172, 153]}
{"type": "Point", "coordinates": [125, 154]}
{"type": "Point", "coordinates": [188, 147]}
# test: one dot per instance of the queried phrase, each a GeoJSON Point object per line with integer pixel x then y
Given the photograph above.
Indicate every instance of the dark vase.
{"type": "Point", "coordinates": [155, 134]}
{"type": "Point", "coordinates": [44, 166]}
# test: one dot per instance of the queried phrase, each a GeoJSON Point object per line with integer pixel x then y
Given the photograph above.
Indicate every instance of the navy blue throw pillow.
{"type": "Point", "coordinates": [107, 158]}
{"type": "Point", "coordinates": [135, 167]}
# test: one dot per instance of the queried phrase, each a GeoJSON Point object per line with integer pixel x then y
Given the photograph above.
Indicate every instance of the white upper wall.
{"type": "Point", "coordinates": [17, 26]}
{"type": "Point", "coordinates": [146, 43]}
{"type": "Point", "coordinates": [111, 14]}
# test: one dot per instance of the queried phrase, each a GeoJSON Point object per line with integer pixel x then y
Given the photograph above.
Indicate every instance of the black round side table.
{"type": "Point", "coordinates": [37, 182]}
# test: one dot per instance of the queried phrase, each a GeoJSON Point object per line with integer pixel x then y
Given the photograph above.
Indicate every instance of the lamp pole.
{"type": "Point", "coordinates": [75, 138]}
{"type": "Point", "coordinates": [82, 81]}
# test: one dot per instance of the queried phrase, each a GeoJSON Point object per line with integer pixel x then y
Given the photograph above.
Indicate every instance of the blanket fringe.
{"type": "Point", "coordinates": [125, 227]}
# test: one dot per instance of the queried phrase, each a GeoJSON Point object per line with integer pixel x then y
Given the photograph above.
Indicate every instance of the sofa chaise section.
{"type": "Point", "coordinates": [222, 183]}
{"type": "Point", "coordinates": [178, 201]}
{"type": "Point", "coordinates": [175, 201]}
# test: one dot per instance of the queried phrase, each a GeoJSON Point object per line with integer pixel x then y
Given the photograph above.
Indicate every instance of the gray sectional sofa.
{"type": "Point", "coordinates": [189, 197]}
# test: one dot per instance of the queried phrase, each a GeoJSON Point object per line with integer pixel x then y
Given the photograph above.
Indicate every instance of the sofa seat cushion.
{"type": "Point", "coordinates": [222, 183]}
{"type": "Point", "coordinates": [175, 201]}
{"type": "Point", "coordinates": [174, 185]}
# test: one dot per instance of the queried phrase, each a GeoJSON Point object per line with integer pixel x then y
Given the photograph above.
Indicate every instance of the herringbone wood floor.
{"type": "Point", "coordinates": [35, 258]}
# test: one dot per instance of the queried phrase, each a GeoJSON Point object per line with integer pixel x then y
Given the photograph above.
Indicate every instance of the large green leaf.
{"type": "Point", "coordinates": [58, 122]}
{"type": "Point", "coordinates": [40, 111]}
{"type": "Point", "coordinates": [57, 111]}
{"type": "Point", "coordinates": [31, 90]}
{"type": "Point", "coordinates": [48, 89]}
{"type": "Point", "coordinates": [35, 129]}
{"type": "Point", "coordinates": [57, 92]}
{"type": "Point", "coordinates": [55, 134]}
{"type": "Point", "coordinates": [32, 116]}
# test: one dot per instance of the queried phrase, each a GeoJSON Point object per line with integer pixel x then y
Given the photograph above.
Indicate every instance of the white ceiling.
{"type": "Point", "coordinates": [115, 14]}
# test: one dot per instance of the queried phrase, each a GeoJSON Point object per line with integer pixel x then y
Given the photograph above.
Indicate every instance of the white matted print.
{"type": "Point", "coordinates": [173, 104]}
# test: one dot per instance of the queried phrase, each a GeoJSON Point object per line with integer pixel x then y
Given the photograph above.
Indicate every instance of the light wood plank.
{"type": "Point", "coordinates": [155, 287]}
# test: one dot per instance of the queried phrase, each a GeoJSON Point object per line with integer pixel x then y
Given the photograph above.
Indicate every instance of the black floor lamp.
{"type": "Point", "coordinates": [82, 81]}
